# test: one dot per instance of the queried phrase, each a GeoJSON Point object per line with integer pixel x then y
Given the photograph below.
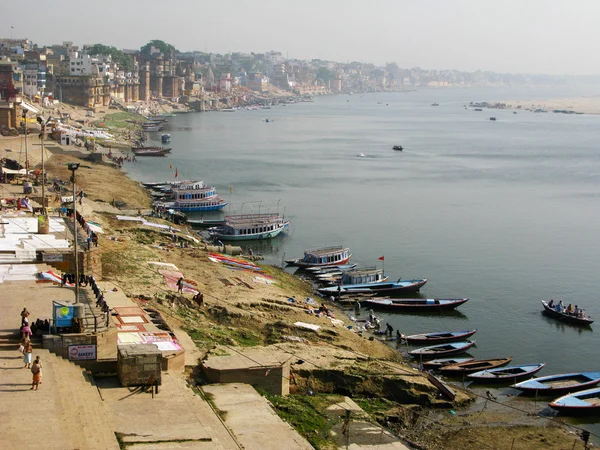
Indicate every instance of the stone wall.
{"type": "Point", "coordinates": [274, 380]}
{"type": "Point", "coordinates": [139, 364]}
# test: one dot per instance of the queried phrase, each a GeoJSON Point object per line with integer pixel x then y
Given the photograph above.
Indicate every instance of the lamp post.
{"type": "Point", "coordinates": [26, 156]}
{"type": "Point", "coordinates": [73, 167]}
{"type": "Point", "coordinates": [42, 136]}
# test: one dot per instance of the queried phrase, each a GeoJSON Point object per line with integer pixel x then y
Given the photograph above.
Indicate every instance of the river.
{"type": "Point", "coordinates": [504, 212]}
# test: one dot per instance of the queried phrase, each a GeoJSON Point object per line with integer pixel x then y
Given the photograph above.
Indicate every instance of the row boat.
{"type": "Point", "coordinates": [321, 257]}
{"type": "Point", "coordinates": [441, 362]}
{"type": "Point", "coordinates": [415, 304]}
{"type": "Point", "coordinates": [383, 288]}
{"type": "Point", "coordinates": [560, 383]}
{"type": "Point", "coordinates": [566, 317]}
{"type": "Point", "coordinates": [433, 351]}
{"type": "Point", "coordinates": [150, 151]}
{"type": "Point", "coordinates": [323, 269]}
{"type": "Point", "coordinates": [579, 402]}
{"type": "Point", "coordinates": [439, 337]}
{"type": "Point", "coordinates": [507, 373]}
{"type": "Point", "coordinates": [474, 365]}
{"type": "Point", "coordinates": [245, 227]}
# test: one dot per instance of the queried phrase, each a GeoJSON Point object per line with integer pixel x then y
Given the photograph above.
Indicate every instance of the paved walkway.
{"type": "Point", "coordinates": [252, 419]}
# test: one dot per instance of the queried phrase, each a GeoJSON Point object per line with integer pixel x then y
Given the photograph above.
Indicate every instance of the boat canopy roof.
{"type": "Point", "coordinates": [359, 271]}
{"type": "Point", "coordinates": [322, 251]}
{"type": "Point", "coordinates": [190, 185]}
{"type": "Point", "coordinates": [241, 219]}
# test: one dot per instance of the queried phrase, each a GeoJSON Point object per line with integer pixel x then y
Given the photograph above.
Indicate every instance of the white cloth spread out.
{"type": "Point", "coordinates": [310, 326]}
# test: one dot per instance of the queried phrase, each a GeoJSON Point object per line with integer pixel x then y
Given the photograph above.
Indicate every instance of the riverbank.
{"type": "Point", "coordinates": [242, 313]}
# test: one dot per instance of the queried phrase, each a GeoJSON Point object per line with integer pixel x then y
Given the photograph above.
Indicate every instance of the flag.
{"type": "Point", "coordinates": [382, 258]}
{"type": "Point", "coordinates": [176, 173]}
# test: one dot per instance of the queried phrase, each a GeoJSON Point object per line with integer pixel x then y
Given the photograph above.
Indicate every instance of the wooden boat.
{"type": "Point", "coordinates": [434, 351]}
{"type": "Point", "coordinates": [245, 227]}
{"type": "Point", "coordinates": [320, 257]}
{"type": "Point", "coordinates": [493, 119]}
{"type": "Point", "coordinates": [475, 365]}
{"type": "Point", "coordinates": [206, 223]}
{"type": "Point", "coordinates": [444, 388]}
{"type": "Point", "coordinates": [559, 384]}
{"type": "Point", "coordinates": [439, 337]}
{"type": "Point", "coordinates": [580, 402]}
{"type": "Point", "coordinates": [150, 151]}
{"type": "Point", "coordinates": [383, 288]}
{"type": "Point", "coordinates": [507, 373]}
{"type": "Point", "coordinates": [359, 275]}
{"type": "Point", "coordinates": [415, 304]}
{"type": "Point", "coordinates": [583, 320]}
{"type": "Point", "coordinates": [441, 362]}
{"type": "Point", "coordinates": [398, 147]}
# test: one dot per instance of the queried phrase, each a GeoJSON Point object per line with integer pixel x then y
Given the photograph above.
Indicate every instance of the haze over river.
{"type": "Point", "coordinates": [505, 213]}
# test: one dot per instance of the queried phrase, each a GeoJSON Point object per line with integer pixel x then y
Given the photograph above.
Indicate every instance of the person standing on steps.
{"type": "Point", "coordinates": [36, 370]}
{"type": "Point", "coordinates": [28, 349]}
{"type": "Point", "coordinates": [180, 285]}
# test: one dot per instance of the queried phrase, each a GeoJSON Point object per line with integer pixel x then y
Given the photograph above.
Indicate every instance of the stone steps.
{"type": "Point", "coordinates": [65, 413]}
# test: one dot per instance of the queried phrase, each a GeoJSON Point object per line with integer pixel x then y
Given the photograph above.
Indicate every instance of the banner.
{"type": "Point", "coordinates": [81, 352]}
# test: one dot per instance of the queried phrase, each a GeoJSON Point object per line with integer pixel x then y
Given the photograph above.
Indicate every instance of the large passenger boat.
{"type": "Point", "coordinates": [245, 227]}
{"type": "Point", "coordinates": [194, 196]}
{"type": "Point", "coordinates": [324, 256]}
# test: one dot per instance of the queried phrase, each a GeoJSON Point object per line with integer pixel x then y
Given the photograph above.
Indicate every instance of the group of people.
{"type": "Point", "coordinates": [26, 348]}
{"type": "Point", "coordinates": [570, 309]}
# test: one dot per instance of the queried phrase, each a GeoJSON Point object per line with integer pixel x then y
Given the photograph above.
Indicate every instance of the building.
{"type": "Point", "coordinates": [10, 97]}
{"type": "Point", "coordinates": [90, 91]}
{"type": "Point", "coordinates": [90, 65]}
{"type": "Point", "coordinates": [257, 82]}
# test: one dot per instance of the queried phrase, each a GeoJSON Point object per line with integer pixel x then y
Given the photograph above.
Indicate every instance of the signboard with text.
{"type": "Point", "coordinates": [79, 352]}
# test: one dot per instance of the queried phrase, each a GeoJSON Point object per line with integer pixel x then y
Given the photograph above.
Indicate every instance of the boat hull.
{"type": "Point", "coordinates": [503, 374]}
{"type": "Point", "coordinates": [473, 366]}
{"type": "Point", "coordinates": [439, 338]}
{"type": "Point", "coordinates": [250, 237]}
{"type": "Point", "coordinates": [199, 208]}
{"type": "Point", "coordinates": [583, 402]}
{"type": "Point", "coordinates": [441, 362]}
{"type": "Point", "coordinates": [410, 305]}
{"type": "Point", "coordinates": [378, 289]}
{"type": "Point", "coordinates": [548, 311]}
{"type": "Point", "coordinates": [434, 351]}
{"type": "Point", "coordinates": [544, 385]}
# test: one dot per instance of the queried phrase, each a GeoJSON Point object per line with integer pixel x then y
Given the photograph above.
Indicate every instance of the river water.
{"type": "Point", "coordinates": [505, 213]}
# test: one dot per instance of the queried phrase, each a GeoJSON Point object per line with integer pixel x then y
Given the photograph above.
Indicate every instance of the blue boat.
{"type": "Point", "coordinates": [383, 288]}
{"type": "Point", "coordinates": [433, 351]}
{"type": "Point", "coordinates": [561, 383]}
{"type": "Point", "coordinates": [507, 373]}
{"type": "Point", "coordinates": [580, 402]}
{"type": "Point", "coordinates": [439, 337]}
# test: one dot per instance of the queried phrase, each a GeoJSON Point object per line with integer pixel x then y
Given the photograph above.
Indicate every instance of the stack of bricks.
{"type": "Point", "coordinates": [139, 365]}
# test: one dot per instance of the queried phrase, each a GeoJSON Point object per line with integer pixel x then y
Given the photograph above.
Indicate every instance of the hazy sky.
{"type": "Point", "coordinates": [528, 36]}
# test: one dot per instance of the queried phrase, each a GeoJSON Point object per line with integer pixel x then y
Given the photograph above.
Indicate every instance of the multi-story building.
{"type": "Point", "coordinates": [10, 97]}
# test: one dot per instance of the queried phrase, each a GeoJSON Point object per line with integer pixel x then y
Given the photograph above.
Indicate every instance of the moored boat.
{"type": "Point", "coordinates": [451, 348]}
{"type": "Point", "coordinates": [439, 337]}
{"type": "Point", "coordinates": [578, 318]}
{"type": "Point", "coordinates": [475, 365]}
{"type": "Point", "coordinates": [578, 402]}
{"type": "Point", "coordinates": [353, 276]}
{"type": "Point", "coordinates": [150, 151]}
{"type": "Point", "coordinates": [323, 256]}
{"type": "Point", "coordinates": [383, 288]}
{"type": "Point", "coordinates": [398, 147]}
{"type": "Point", "coordinates": [341, 267]}
{"type": "Point", "coordinates": [507, 373]}
{"type": "Point", "coordinates": [559, 384]}
{"type": "Point", "coordinates": [244, 227]}
{"type": "Point", "coordinates": [415, 304]}
{"type": "Point", "coordinates": [193, 196]}
{"type": "Point", "coordinates": [441, 362]}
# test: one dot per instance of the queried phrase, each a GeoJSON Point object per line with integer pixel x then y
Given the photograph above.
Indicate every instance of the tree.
{"type": "Point", "coordinates": [124, 61]}
{"type": "Point", "coordinates": [165, 49]}
{"type": "Point", "coordinates": [324, 74]}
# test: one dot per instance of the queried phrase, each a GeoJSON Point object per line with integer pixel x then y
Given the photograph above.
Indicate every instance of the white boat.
{"type": "Point", "coordinates": [246, 227]}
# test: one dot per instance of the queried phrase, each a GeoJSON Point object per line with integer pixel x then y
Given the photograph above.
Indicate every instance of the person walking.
{"type": "Point", "coordinates": [180, 285]}
{"type": "Point", "coordinates": [36, 370]}
{"type": "Point", "coordinates": [27, 351]}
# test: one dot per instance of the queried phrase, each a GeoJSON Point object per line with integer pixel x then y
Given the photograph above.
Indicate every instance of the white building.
{"type": "Point", "coordinates": [90, 65]}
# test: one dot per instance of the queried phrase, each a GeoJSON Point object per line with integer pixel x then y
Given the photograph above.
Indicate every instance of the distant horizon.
{"type": "Point", "coordinates": [537, 37]}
